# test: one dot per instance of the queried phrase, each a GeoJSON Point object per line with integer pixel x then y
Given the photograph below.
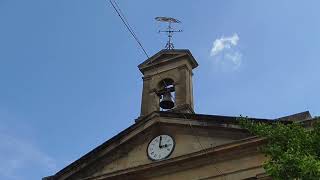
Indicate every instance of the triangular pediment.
{"type": "Point", "coordinates": [192, 134]}
{"type": "Point", "coordinates": [164, 56]}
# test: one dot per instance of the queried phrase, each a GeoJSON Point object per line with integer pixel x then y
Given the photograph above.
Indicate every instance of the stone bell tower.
{"type": "Point", "coordinates": [170, 70]}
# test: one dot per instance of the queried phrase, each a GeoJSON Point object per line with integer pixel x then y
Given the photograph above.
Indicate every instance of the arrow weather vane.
{"type": "Point", "coordinates": [169, 31]}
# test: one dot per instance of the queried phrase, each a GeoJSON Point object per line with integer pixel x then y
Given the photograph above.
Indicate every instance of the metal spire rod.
{"type": "Point", "coordinates": [169, 30]}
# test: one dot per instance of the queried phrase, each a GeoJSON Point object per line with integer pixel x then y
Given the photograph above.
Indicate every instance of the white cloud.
{"type": "Point", "coordinates": [236, 59]}
{"type": "Point", "coordinates": [226, 53]}
{"type": "Point", "coordinates": [224, 43]}
{"type": "Point", "coordinates": [18, 155]}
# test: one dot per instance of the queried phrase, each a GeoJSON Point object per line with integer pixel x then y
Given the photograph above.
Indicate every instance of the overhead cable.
{"type": "Point", "coordinates": [126, 23]}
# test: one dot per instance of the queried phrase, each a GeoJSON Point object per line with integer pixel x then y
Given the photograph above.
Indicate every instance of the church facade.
{"type": "Point", "coordinates": [169, 140]}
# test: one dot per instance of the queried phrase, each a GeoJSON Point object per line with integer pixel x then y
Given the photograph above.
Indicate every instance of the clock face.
{"type": "Point", "coordinates": [160, 147]}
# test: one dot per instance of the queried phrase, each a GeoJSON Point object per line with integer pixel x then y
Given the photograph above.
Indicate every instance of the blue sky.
{"type": "Point", "coordinates": [69, 77]}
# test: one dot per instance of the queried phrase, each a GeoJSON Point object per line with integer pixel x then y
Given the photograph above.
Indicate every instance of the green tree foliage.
{"type": "Point", "coordinates": [293, 151]}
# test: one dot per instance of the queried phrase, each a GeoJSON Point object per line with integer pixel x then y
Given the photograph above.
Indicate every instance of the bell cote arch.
{"type": "Point", "coordinates": [168, 70]}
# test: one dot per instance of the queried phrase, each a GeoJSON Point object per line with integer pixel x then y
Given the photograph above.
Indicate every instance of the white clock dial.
{"type": "Point", "coordinates": [160, 147]}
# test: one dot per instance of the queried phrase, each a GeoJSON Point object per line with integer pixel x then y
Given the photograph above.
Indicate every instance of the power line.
{"type": "Point", "coordinates": [126, 23]}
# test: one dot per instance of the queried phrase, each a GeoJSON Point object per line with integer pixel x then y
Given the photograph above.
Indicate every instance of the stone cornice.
{"type": "Point", "coordinates": [178, 53]}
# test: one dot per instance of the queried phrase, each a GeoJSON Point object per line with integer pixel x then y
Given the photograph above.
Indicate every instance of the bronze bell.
{"type": "Point", "coordinates": [167, 102]}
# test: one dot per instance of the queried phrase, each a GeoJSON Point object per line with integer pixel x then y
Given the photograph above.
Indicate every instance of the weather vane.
{"type": "Point", "coordinates": [169, 31]}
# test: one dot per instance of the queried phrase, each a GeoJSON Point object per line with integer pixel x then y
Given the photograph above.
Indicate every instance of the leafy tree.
{"type": "Point", "coordinates": [293, 151]}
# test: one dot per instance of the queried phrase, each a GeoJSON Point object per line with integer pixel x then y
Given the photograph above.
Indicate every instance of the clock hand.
{"type": "Point", "coordinates": [160, 142]}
